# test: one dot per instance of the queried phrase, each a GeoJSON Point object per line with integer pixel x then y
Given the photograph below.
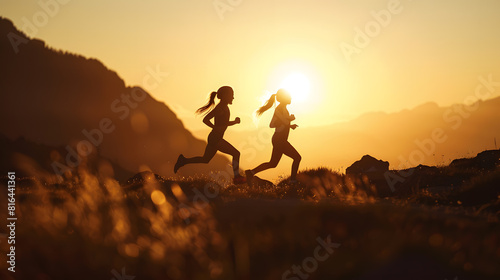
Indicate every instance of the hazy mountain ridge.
{"type": "Point", "coordinates": [402, 137]}
{"type": "Point", "coordinates": [51, 97]}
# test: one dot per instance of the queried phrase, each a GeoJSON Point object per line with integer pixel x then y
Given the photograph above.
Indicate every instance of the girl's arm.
{"type": "Point", "coordinates": [212, 114]}
{"type": "Point", "coordinates": [292, 118]}
{"type": "Point", "coordinates": [281, 117]}
{"type": "Point", "coordinates": [208, 117]}
{"type": "Point", "coordinates": [274, 124]}
{"type": "Point", "coordinates": [236, 121]}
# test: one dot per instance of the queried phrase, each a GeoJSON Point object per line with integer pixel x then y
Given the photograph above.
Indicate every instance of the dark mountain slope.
{"type": "Point", "coordinates": [56, 98]}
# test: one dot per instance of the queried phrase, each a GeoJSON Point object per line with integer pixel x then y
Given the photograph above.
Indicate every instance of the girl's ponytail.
{"type": "Point", "coordinates": [266, 106]}
{"type": "Point", "coordinates": [210, 104]}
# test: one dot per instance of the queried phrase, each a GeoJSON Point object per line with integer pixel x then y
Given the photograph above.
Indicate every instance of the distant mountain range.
{"type": "Point", "coordinates": [427, 134]}
{"type": "Point", "coordinates": [58, 101]}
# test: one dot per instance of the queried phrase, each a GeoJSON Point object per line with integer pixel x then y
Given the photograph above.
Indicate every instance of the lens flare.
{"type": "Point", "coordinates": [298, 85]}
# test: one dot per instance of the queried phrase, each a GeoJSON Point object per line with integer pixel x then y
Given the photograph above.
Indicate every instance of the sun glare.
{"type": "Point", "coordinates": [298, 85]}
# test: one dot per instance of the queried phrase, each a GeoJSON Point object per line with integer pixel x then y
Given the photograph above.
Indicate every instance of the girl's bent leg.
{"type": "Point", "coordinates": [210, 152]}
{"type": "Point", "coordinates": [290, 151]}
{"type": "Point", "coordinates": [275, 159]}
{"type": "Point", "coordinates": [227, 148]}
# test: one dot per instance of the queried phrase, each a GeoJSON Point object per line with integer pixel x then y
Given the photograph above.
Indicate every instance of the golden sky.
{"type": "Point", "coordinates": [409, 52]}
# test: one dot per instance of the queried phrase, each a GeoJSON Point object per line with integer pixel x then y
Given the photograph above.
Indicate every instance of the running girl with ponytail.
{"type": "Point", "coordinates": [215, 141]}
{"type": "Point", "coordinates": [281, 123]}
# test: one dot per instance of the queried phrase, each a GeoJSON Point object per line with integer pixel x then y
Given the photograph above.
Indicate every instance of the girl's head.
{"type": "Point", "coordinates": [225, 94]}
{"type": "Point", "coordinates": [282, 96]}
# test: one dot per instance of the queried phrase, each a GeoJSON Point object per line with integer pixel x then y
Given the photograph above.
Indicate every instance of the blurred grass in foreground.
{"type": "Point", "coordinates": [196, 228]}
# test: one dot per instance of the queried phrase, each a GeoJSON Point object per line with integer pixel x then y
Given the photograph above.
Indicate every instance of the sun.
{"type": "Point", "coordinates": [298, 85]}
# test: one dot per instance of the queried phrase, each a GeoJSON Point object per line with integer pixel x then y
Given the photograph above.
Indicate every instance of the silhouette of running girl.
{"type": "Point", "coordinates": [221, 115]}
{"type": "Point", "coordinates": [281, 123]}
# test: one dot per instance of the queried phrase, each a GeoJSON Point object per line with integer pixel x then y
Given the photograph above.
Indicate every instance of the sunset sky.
{"type": "Point", "coordinates": [426, 51]}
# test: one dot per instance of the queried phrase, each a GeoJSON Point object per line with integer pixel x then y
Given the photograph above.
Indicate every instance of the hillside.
{"type": "Point", "coordinates": [152, 227]}
{"type": "Point", "coordinates": [59, 99]}
{"type": "Point", "coordinates": [27, 158]}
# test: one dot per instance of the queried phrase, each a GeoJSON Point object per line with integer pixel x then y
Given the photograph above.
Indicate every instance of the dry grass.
{"type": "Point", "coordinates": [195, 228]}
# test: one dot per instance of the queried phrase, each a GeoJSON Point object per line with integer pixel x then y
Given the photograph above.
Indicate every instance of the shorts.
{"type": "Point", "coordinates": [214, 138]}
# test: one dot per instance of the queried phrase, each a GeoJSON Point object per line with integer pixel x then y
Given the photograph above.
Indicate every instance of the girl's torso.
{"type": "Point", "coordinates": [221, 120]}
{"type": "Point", "coordinates": [281, 120]}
